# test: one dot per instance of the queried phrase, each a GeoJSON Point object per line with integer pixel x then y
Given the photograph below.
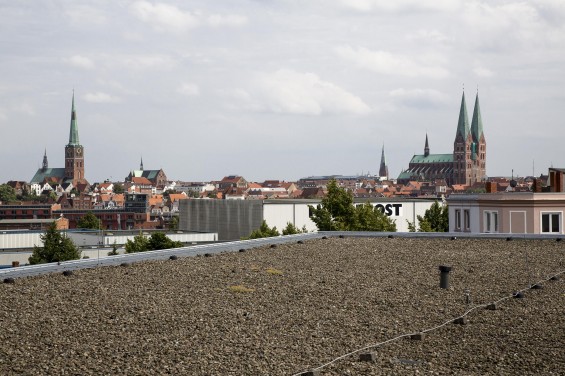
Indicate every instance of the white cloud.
{"type": "Point", "coordinates": [388, 63]}
{"type": "Point", "coordinates": [99, 97]}
{"type": "Point", "coordinates": [418, 97]}
{"type": "Point", "coordinates": [81, 15]}
{"type": "Point", "coordinates": [481, 71]}
{"type": "Point", "coordinates": [164, 17]}
{"type": "Point", "coordinates": [140, 62]}
{"type": "Point", "coordinates": [226, 20]}
{"type": "Point", "coordinates": [81, 62]}
{"type": "Point", "coordinates": [24, 108]}
{"type": "Point", "coordinates": [189, 89]}
{"type": "Point", "coordinates": [287, 91]}
{"type": "Point", "coordinates": [400, 5]}
{"type": "Point", "coordinates": [429, 36]}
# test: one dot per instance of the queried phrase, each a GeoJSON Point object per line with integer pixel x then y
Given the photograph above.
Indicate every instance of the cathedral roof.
{"type": "Point", "coordinates": [46, 174]}
{"type": "Point", "coordinates": [432, 158]}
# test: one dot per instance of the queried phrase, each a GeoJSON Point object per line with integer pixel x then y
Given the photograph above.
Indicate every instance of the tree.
{"type": "Point", "coordinates": [174, 223]}
{"type": "Point", "coordinates": [114, 250]}
{"type": "Point", "coordinates": [157, 241]}
{"type": "Point", "coordinates": [89, 221]}
{"type": "Point", "coordinates": [435, 219]}
{"type": "Point", "coordinates": [7, 193]}
{"type": "Point", "coordinates": [264, 231]}
{"type": "Point", "coordinates": [140, 243]}
{"type": "Point", "coordinates": [118, 188]}
{"type": "Point", "coordinates": [337, 213]}
{"type": "Point", "coordinates": [371, 218]}
{"type": "Point", "coordinates": [291, 229]}
{"type": "Point", "coordinates": [56, 247]}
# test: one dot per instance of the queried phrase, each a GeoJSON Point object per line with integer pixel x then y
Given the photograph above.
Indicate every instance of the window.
{"type": "Point", "coordinates": [467, 219]}
{"type": "Point", "coordinates": [551, 222]}
{"type": "Point", "coordinates": [457, 220]}
{"type": "Point", "coordinates": [491, 221]}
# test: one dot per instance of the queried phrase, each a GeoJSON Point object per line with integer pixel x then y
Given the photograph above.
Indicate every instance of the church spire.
{"type": "Point", "coordinates": [141, 164]}
{"type": "Point", "coordinates": [463, 122]}
{"type": "Point", "coordinates": [45, 165]}
{"type": "Point", "coordinates": [73, 135]}
{"type": "Point", "coordinates": [426, 147]}
{"type": "Point", "coordinates": [477, 122]}
{"type": "Point", "coordinates": [383, 170]}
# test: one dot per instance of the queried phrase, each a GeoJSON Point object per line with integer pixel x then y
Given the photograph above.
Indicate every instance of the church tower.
{"type": "Point", "coordinates": [470, 148]}
{"type": "Point", "coordinates": [479, 145]}
{"type": "Point", "coordinates": [74, 152]}
{"type": "Point", "coordinates": [462, 148]}
{"type": "Point", "coordinates": [45, 164]}
{"type": "Point", "coordinates": [426, 147]}
{"type": "Point", "coordinates": [383, 169]}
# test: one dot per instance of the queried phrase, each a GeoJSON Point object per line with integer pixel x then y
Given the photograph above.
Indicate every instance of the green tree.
{"type": "Point", "coordinates": [435, 219]}
{"type": "Point", "coordinates": [89, 221]}
{"type": "Point", "coordinates": [114, 250]}
{"type": "Point", "coordinates": [159, 240]}
{"type": "Point", "coordinates": [291, 229]}
{"type": "Point", "coordinates": [56, 247]}
{"type": "Point", "coordinates": [118, 188]}
{"type": "Point", "coordinates": [140, 243]}
{"type": "Point", "coordinates": [371, 218]}
{"type": "Point", "coordinates": [337, 213]}
{"type": "Point", "coordinates": [174, 223]}
{"type": "Point", "coordinates": [264, 231]}
{"type": "Point", "coordinates": [7, 193]}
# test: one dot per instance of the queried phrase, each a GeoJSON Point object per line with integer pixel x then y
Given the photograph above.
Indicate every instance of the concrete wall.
{"type": "Point", "coordinates": [230, 219]}
{"type": "Point", "coordinates": [280, 213]}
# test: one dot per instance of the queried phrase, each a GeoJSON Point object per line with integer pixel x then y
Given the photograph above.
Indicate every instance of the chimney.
{"type": "Point", "coordinates": [556, 178]}
{"type": "Point", "coordinates": [490, 187]}
{"type": "Point", "coordinates": [536, 186]}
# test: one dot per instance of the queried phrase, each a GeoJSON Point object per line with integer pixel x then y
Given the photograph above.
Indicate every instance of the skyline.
{"type": "Point", "coordinates": [278, 90]}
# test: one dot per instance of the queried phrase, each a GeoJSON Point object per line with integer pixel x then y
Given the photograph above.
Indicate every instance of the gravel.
{"type": "Point", "coordinates": [284, 310]}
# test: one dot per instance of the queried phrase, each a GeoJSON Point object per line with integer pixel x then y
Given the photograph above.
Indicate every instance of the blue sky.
{"type": "Point", "coordinates": [278, 89]}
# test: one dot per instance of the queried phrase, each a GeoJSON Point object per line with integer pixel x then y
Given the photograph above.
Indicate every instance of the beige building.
{"type": "Point", "coordinates": [512, 212]}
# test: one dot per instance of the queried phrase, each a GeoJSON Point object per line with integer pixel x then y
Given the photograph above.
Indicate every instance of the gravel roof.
{"type": "Point", "coordinates": [283, 310]}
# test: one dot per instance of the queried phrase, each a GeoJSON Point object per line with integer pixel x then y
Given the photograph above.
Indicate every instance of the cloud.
{"type": "Point", "coordinates": [140, 62]}
{"type": "Point", "coordinates": [226, 20]}
{"type": "Point", "coordinates": [388, 63]}
{"type": "Point", "coordinates": [421, 98]}
{"type": "Point", "coordinates": [81, 62]}
{"type": "Point", "coordinates": [169, 18]}
{"type": "Point", "coordinates": [164, 17]}
{"type": "Point", "coordinates": [99, 97]}
{"type": "Point", "coordinates": [400, 5]}
{"type": "Point", "coordinates": [81, 15]}
{"type": "Point", "coordinates": [287, 91]}
{"type": "Point", "coordinates": [481, 71]}
{"type": "Point", "coordinates": [429, 36]}
{"type": "Point", "coordinates": [189, 89]}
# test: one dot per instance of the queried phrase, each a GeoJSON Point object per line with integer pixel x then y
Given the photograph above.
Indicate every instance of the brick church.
{"type": "Point", "coordinates": [466, 165]}
{"type": "Point", "coordinates": [73, 172]}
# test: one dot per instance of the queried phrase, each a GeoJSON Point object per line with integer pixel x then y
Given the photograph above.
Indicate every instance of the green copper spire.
{"type": "Point", "coordinates": [477, 122]}
{"type": "Point", "coordinates": [73, 136]}
{"type": "Point", "coordinates": [463, 123]}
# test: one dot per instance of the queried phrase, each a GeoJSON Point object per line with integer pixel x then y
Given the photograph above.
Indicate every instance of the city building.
{"type": "Point", "coordinates": [466, 165]}
{"type": "Point", "coordinates": [533, 212]}
{"type": "Point", "coordinates": [157, 178]}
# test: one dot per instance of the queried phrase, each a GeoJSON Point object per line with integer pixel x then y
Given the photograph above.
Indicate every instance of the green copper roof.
{"type": "Point", "coordinates": [463, 122]}
{"type": "Point", "coordinates": [477, 122]}
{"type": "Point", "coordinates": [432, 158]}
{"type": "Point", "coordinates": [47, 173]}
{"type": "Point", "coordinates": [73, 136]}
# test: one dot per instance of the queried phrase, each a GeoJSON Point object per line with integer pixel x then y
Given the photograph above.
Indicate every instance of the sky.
{"type": "Point", "coordinates": [278, 89]}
